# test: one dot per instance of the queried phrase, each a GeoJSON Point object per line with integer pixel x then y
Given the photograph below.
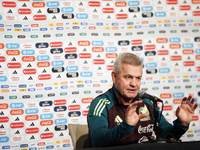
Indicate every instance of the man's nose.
{"type": "Point", "coordinates": [133, 82]}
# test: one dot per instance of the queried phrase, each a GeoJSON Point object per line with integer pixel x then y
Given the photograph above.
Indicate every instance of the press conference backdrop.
{"type": "Point", "coordinates": [56, 56]}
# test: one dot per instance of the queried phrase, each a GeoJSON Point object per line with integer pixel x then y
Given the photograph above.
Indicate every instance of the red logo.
{"type": "Point", "coordinates": [85, 113]}
{"type": "Point", "coordinates": [111, 55]}
{"type": "Point", "coordinates": [28, 58]}
{"type": "Point", "coordinates": [195, 118]}
{"type": "Point", "coordinates": [70, 49]}
{"type": "Point", "coordinates": [97, 49]}
{"type": "Point", "coordinates": [84, 55]}
{"type": "Point", "coordinates": [163, 52]}
{"type": "Point", "coordinates": [195, 1]}
{"type": "Point", "coordinates": [120, 4]}
{"type": "Point", "coordinates": [149, 47]}
{"type": "Point", "coordinates": [172, 2]}
{"type": "Point", "coordinates": [74, 107]}
{"type": "Point", "coordinates": [29, 71]}
{"type": "Point", "coordinates": [98, 61]}
{"type": "Point", "coordinates": [188, 63]}
{"type": "Point", "coordinates": [188, 51]}
{"type": "Point", "coordinates": [2, 46]}
{"type": "Point", "coordinates": [13, 52]}
{"type": "Point", "coordinates": [31, 117]}
{"type": "Point", "coordinates": [24, 11]}
{"type": "Point", "coordinates": [177, 101]}
{"type": "Point", "coordinates": [145, 22]}
{"type": "Point", "coordinates": [2, 59]}
{"type": "Point", "coordinates": [38, 4]}
{"type": "Point", "coordinates": [198, 69]}
{"type": "Point", "coordinates": [39, 17]}
{"type": "Point", "coordinates": [166, 108]}
{"type": "Point", "coordinates": [4, 106]}
{"type": "Point", "coordinates": [196, 13]}
{"type": "Point", "coordinates": [56, 44]}
{"type": "Point", "coordinates": [121, 16]}
{"type": "Point", "coordinates": [94, 3]}
{"type": "Point", "coordinates": [4, 119]}
{"type": "Point", "coordinates": [17, 125]}
{"type": "Point", "coordinates": [46, 135]}
{"type": "Point", "coordinates": [108, 10]}
{"type": "Point", "coordinates": [196, 24]}
{"type": "Point", "coordinates": [87, 100]}
{"type": "Point", "coordinates": [83, 43]}
{"type": "Point", "coordinates": [44, 77]}
{"type": "Point", "coordinates": [9, 4]}
{"type": "Point", "coordinates": [34, 25]}
{"type": "Point", "coordinates": [43, 64]}
{"type": "Point", "coordinates": [96, 85]}
{"type": "Point", "coordinates": [60, 102]}
{"type": "Point", "coordinates": [46, 122]}
{"type": "Point", "coordinates": [185, 7]}
{"type": "Point", "coordinates": [197, 57]}
{"type": "Point", "coordinates": [136, 42]}
{"type": "Point", "coordinates": [92, 28]}
{"type": "Point", "coordinates": [109, 67]}
{"type": "Point", "coordinates": [14, 65]}
{"type": "Point", "coordinates": [41, 144]}
{"type": "Point", "coordinates": [32, 130]}
{"type": "Point", "coordinates": [165, 95]}
{"type": "Point", "coordinates": [162, 40]}
{"type": "Point", "coordinates": [17, 112]}
{"type": "Point", "coordinates": [175, 58]}
{"type": "Point", "coordinates": [175, 46]}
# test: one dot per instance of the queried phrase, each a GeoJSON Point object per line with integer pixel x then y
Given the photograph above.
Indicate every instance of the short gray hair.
{"type": "Point", "coordinates": [128, 58]}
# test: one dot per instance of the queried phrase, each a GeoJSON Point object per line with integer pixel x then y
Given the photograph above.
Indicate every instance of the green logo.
{"type": "Point", "coordinates": [106, 34]}
{"type": "Point", "coordinates": [155, 88]}
{"type": "Point", "coordinates": [129, 33]}
{"type": "Point", "coordinates": [59, 35]}
{"type": "Point", "coordinates": [87, 92]}
{"type": "Point", "coordinates": [195, 30]}
{"type": "Point", "coordinates": [151, 32]}
{"type": "Point", "coordinates": [177, 87]}
{"type": "Point", "coordinates": [8, 36]}
{"type": "Point", "coordinates": [13, 97]}
{"type": "Point", "coordinates": [34, 36]}
{"type": "Point", "coordinates": [198, 86]}
{"type": "Point", "coordinates": [173, 31]}
{"type": "Point", "coordinates": [63, 93]}
{"type": "Point", "coordinates": [38, 95]}
{"type": "Point", "coordinates": [83, 34]}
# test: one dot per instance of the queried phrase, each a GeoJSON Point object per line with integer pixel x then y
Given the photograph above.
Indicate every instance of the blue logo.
{"type": "Point", "coordinates": [151, 65]}
{"type": "Point", "coordinates": [49, 147]}
{"type": "Point", "coordinates": [28, 52]}
{"type": "Point", "coordinates": [197, 51]}
{"type": "Point", "coordinates": [52, 4]}
{"type": "Point", "coordinates": [4, 86]}
{"type": "Point", "coordinates": [6, 147]}
{"type": "Point", "coordinates": [99, 24]}
{"type": "Point", "coordinates": [16, 105]}
{"type": "Point", "coordinates": [0, 17]}
{"type": "Point", "coordinates": [111, 49]}
{"type": "Point", "coordinates": [88, 81]}
{"type": "Point", "coordinates": [174, 40]}
{"type": "Point", "coordinates": [147, 8]}
{"type": "Point", "coordinates": [57, 63]}
{"type": "Point", "coordinates": [47, 88]}
{"type": "Point", "coordinates": [80, 85]}
{"type": "Point", "coordinates": [12, 46]}
{"type": "Point", "coordinates": [66, 145]}
{"type": "Point", "coordinates": [31, 89]}
{"type": "Point", "coordinates": [56, 50]}
{"type": "Point", "coordinates": [164, 70]}
{"type": "Point", "coordinates": [84, 23]}
{"type": "Point", "coordinates": [33, 148]}
{"type": "Point", "coordinates": [26, 29]}
{"type": "Point", "coordinates": [60, 108]}
{"type": "Point", "coordinates": [160, 14]}
{"type": "Point", "coordinates": [171, 81]}
{"type": "Point", "coordinates": [4, 139]}
{"type": "Point", "coordinates": [186, 80]}
{"type": "Point", "coordinates": [97, 43]}
{"type": "Point", "coordinates": [81, 16]}
{"type": "Point", "coordinates": [23, 145]}
{"type": "Point", "coordinates": [86, 74]}
{"type": "Point", "coordinates": [71, 56]}
{"type": "Point", "coordinates": [43, 29]}
{"type": "Point", "coordinates": [182, 25]}
{"type": "Point", "coordinates": [133, 3]}
{"type": "Point", "coordinates": [3, 78]}
{"type": "Point", "coordinates": [72, 68]}
{"type": "Point", "coordinates": [60, 121]}
{"type": "Point", "coordinates": [22, 86]}
{"type": "Point", "coordinates": [138, 26]}
{"type": "Point", "coordinates": [46, 116]}
{"type": "Point", "coordinates": [193, 76]}
{"type": "Point", "coordinates": [17, 25]}
{"type": "Point", "coordinates": [43, 57]}
{"type": "Point", "coordinates": [103, 81]}
{"type": "Point", "coordinates": [75, 27]}
{"type": "Point", "coordinates": [59, 28]}
{"type": "Point", "coordinates": [64, 87]}
{"type": "Point", "coordinates": [150, 53]}
{"type": "Point", "coordinates": [115, 24]}
{"type": "Point", "coordinates": [167, 25]}
{"type": "Point", "coordinates": [187, 45]}
{"type": "Point", "coordinates": [1, 25]}
{"type": "Point", "coordinates": [136, 48]}
{"type": "Point", "coordinates": [156, 81]}
{"type": "Point", "coordinates": [129, 23]}
{"type": "Point", "coordinates": [74, 114]}
{"type": "Point", "coordinates": [31, 111]}
{"type": "Point", "coordinates": [67, 9]}
{"type": "Point", "coordinates": [152, 25]}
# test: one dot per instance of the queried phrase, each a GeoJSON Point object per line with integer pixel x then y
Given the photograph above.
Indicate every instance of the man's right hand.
{"type": "Point", "coordinates": [131, 117]}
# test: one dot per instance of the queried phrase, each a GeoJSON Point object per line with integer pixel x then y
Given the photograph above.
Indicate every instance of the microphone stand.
{"type": "Point", "coordinates": [158, 139]}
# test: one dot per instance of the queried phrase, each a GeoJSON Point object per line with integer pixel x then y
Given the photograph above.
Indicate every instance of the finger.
{"type": "Point", "coordinates": [195, 106]}
{"type": "Point", "coordinates": [143, 115]}
{"type": "Point", "coordinates": [184, 100]}
{"type": "Point", "coordinates": [189, 98]}
{"type": "Point", "coordinates": [192, 101]}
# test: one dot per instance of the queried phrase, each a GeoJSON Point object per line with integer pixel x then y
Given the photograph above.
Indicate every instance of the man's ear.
{"type": "Point", "coordinates": [114, 75]}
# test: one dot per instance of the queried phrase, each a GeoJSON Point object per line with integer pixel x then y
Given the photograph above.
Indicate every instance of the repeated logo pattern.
{"type": "Point", "coordinates": [56, 56]}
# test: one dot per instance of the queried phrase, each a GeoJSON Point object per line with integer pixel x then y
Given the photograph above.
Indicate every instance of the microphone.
{"type": "Point", "coordinates": [143, 94]}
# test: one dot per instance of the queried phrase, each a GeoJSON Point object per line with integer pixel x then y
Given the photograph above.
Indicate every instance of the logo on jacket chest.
{"type": "Point", "coordinates": [143, 110]}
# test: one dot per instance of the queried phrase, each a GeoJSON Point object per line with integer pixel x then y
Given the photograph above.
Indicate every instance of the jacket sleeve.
{"type": "Point", "coordinates": [166, 129]}
{"type": "Point", "coordinates": [99, 134]}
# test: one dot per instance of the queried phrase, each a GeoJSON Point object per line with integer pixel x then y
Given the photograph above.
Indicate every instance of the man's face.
{"type": "Point", "coordinates": [127, 82]}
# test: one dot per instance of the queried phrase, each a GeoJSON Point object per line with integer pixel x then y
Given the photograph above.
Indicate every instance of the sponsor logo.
{"type": "Point", "coordinates": [46, 122]}
{"type": "Point", "coordinates": [4, 119]}
{"type": "Point", "coordinates": [32, 130]}
{"type": "Point", "coordinates": [121, 16]}
{"type": "Point", "coordinates": [9, 4]}
{"type": "Point", "coordinates": [17, 112]}
{"type": "Point", "coordinates": [44, 77]}
{"type": "Point", "coordinates": [74, 114]}
{"type": "Point", "coordinates": [165, 95]}
{"type": "Point", "coordinates": [175, 58]}
{"type": "Point", "coordinates": [60, 108]}
{"type": "Point", "coordinates": [46, 135]}
{"type": "Point", "coordinates": [60, 121]}
{"type": "Point", "coordinates": [188, 63]}
{"type": "Point", "coordinates": [17, 125]}
{"type": "Point", "coordinates": [38, 4]}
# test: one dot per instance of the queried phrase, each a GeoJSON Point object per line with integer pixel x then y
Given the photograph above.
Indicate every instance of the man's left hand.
{"type": "Point", "coordinates": [185, 111]}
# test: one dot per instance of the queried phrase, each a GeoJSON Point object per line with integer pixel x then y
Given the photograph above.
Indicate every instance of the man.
{"type": "Point", "coordinates": [120, 117]}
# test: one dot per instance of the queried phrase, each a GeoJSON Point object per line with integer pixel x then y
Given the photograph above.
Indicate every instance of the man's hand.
{"type": "Point", "coordinates": [185, 111]}
{"type": "Point", "coordinates": [131, 116]}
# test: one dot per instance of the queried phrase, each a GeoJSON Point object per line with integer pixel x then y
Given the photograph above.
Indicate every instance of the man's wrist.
{"type": "Point", "coordinates": [184, 124]}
